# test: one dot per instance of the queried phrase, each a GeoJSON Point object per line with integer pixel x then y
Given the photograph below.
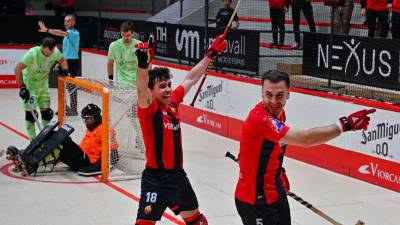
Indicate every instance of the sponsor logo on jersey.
{"type": "Point", "coordinates": [171, 126]}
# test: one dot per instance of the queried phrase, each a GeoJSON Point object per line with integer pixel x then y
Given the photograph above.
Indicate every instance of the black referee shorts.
{"type": "Point", "coordinates": [73, 67]}
{"type": "Point", "coordinates": [161, 189]}
{"type": "Point", "coordinates": [277, 213]}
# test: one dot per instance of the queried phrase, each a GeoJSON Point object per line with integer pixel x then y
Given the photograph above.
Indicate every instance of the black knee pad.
{"type": "Point", "coordinates": [29, 117]}
{"type": "Point", "coordinates": [47, 114]}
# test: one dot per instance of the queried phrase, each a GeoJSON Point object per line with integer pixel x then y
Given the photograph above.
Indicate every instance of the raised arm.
{"type": "Point", "coordinates": [142, 79]}
{"type": "Point", "coordinates": [56, 32]}
{"type": "Point", "coordinates": [194, 75]}
{"type": "Point", "coordinates": [320, 135]}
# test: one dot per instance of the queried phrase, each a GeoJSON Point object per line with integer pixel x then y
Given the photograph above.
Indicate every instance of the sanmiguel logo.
{"type": "Point", "coordinates": [189, 41]}
{"type": "Point", "coordinates": [382, 131]}
{"type": "Point", "coordinates": [211, 91]}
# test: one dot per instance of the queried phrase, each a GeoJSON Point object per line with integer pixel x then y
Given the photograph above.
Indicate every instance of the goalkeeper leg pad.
{"type": "Point", "coordinates": [42, 137]}
{"type": "Point", "coordinates": [30, 163]}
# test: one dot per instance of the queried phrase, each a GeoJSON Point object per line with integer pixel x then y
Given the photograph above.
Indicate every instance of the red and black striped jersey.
{"type": "Point", "coordinates": [261, 156]}
{"type": "Point", "coordinates": [162, 133]}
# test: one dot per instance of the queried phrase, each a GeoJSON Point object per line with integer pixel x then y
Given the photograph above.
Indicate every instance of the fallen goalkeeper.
{"type": "Point", "coordinates": [54, 145]}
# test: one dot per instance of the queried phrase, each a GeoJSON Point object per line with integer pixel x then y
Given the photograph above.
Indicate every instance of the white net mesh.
{"type": "Point", "coordinates": [127, 162]}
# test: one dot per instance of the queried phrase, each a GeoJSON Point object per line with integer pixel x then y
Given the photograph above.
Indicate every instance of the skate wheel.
{"type": "Point", "coordinates": [16, 169]}
{"type": "Point", "coordinates": [9, 157]}
{"type": "Point", "coordinates": [17, 162]}
{"type": "Point", "coordinates": [24, 173]}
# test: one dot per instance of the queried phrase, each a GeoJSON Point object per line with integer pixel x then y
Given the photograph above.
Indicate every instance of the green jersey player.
{"type": "Point", "coordinates": [122, 52]}
{"type": "Point", "coordinates": [32, 75]}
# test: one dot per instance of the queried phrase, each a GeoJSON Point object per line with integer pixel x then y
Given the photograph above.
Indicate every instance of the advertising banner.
{"type": "Point", "coordinates": [361, 60]}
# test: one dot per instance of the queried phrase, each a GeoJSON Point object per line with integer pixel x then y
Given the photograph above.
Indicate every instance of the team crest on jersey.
{"type": "Point", "coordinates": [148, 210]}
{"type": "Point", "coordinates": [173, 109]}
{"type": "Point", "coordinates": [275, 124]}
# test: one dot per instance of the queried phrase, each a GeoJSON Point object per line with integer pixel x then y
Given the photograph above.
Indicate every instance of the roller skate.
{"type": "Point", "coordinates": [26, 167]}
{"type": "Point", "coordinates": [12, 153]}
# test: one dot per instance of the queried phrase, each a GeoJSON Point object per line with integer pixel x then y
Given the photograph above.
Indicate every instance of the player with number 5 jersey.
{"type": "Point", "coordinates": [260, 195]}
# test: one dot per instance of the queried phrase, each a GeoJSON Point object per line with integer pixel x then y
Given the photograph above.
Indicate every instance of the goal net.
{"type": "Point", "coordinates": [122, 143]}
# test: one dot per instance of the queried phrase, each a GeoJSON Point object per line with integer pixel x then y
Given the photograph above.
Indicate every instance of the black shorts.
{"type": "Point", "coordinates": [277, 213]}
{"type": "Point", "coordinates": [73, 156]}
{"type": "Point", "coordinates": [162, 189]}
{"type": "Point", "coordinates": [73, 67]}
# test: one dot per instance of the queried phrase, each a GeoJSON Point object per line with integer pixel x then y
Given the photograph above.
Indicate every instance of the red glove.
{"type": "Point", "coordinates": [285, 180]}
{"type": "Point", "coordinates": [356, 121]}
{"type": "Point", "coordinates": [216, 47]}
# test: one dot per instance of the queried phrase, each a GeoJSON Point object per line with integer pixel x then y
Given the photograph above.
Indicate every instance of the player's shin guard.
{"type": "Point", "coordinates": [196, 219]}
{"type": "Point", "coordinates": [47, 115]}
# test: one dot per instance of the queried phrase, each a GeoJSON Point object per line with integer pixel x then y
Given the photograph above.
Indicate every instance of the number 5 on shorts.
{"type": "Point", "coordinates": [151, 197]}
{"type": "Point", "coordinates": [259, 221]}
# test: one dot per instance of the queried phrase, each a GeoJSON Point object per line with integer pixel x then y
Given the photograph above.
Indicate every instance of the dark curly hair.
{"type": "Point", "coordinates": [158, 73]}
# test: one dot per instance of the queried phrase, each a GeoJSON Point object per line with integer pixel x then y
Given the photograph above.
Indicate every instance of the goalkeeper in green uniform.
{"type": "Point", "coordinates": [32, 75]}
{"type": "Point", "coordinates": [122, 52]}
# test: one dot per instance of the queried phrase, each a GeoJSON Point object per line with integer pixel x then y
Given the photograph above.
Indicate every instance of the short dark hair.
{"type": "Point", "coordinates": [127, 26]}
{"type": "Point", "coordinates": [49, 42]}
{"type": "Point", "coordinates": [275, 76]}
{"type": "Point", "coordinates": [158, 73]}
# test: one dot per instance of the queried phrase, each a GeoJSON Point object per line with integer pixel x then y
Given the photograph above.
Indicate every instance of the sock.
{"type": "Point", "coordinates": [196, 219]}
{"type": "Point", "coordinates": [45, 122]}
{"type": "Point", "coordinates": [30, 127]}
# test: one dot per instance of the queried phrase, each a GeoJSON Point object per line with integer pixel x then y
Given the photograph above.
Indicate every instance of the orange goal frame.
{"type": "Point", "coordinates": [104, 93]}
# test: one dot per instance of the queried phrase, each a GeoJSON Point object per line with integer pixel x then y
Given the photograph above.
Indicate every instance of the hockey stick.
{"type": "Point", "coordinates": [300, 200]}
{"type": "Point", "coordinates": [227, 29]}
{"type": "Point", "coordinates": [32, 106]}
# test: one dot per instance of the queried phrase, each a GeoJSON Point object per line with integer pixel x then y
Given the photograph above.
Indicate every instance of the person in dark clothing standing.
{"type": "Point", "coordinates": [342, 17]}
{"type": "Point", "coordinates": [223, 17]}
{"type": "Point", "coordinates": [376, 10]}
{"type": "Point", "coordinates": [297, 7]}
{"type": "Point", "coordinates": [277, 12]}
{"type": "Point", "coordinates": [396, 19]}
